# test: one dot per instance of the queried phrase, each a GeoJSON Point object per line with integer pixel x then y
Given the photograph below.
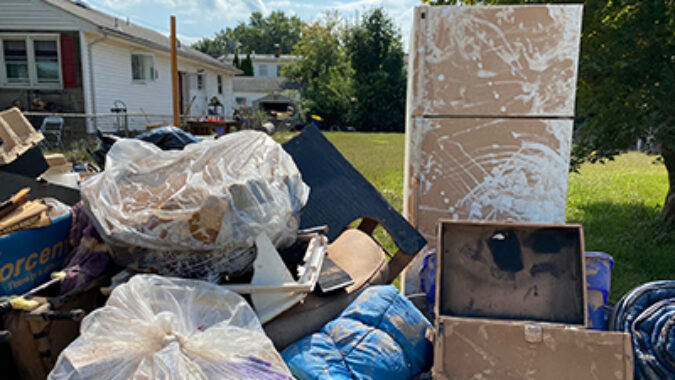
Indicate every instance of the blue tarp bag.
{"type": "Point", "coordinates": [381, 335]}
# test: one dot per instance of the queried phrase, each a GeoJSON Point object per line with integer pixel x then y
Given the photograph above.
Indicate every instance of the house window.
{"type": "Point", "coordinates": [241, 100]}
{"type": "Point", "coordinates": [46, 61]}
{"type": "Point", "coordinates": [30, 60]}
{"type": "Point", "coordinates": [220, 84]}
{"type": "Point", "coordinates": [262, 71]}
{"type": "Point", "coordinates": [16, 60]}
{"type": "Point", "coordinates": [142, 67]}
{"type": "Point", "coordinates": [200, 82]}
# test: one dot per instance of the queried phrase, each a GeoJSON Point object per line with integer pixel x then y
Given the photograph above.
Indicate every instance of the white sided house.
{"type": "Point", "coordinates": [80, 60]}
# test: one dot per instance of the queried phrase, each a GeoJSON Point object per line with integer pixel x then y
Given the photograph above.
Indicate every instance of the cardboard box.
{"type": "Point", "coordinates": [37, 341]}
{"type": "Point", "coordinates": [28, 257]}
{"type": "Point", "coordinates": [56, 159]}
{"type": "Point", "coordinates": [511, 304]}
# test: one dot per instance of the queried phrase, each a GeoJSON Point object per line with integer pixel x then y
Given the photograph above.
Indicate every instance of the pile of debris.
{"type": "Point", "coordinates": [233, 258]}
{"type": "Point", "coordinates": [195, 248]}
{"type": "Point", "coordinates": [242, 258]}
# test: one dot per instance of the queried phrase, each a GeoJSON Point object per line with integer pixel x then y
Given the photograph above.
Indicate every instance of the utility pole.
{"type": "Point", "coordinates": [174, 74]}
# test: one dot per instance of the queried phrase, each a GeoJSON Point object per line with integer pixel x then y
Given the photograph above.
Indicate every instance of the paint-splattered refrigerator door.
{"type": "Point", "coordinates": [491, 94]}
{"type": "Point", "coordinates": [496, 61]}
{"type": "Point", "coordinates": [493, 169]}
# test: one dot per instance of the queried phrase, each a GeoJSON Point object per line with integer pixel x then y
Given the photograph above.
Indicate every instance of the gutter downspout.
{"type": "Point", "coordinates": [91, 77]}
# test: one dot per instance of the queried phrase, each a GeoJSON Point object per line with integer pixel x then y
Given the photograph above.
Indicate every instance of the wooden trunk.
{"type": "Point", "coordinates": [467, 348]}
{"type": "Point", "coordinates": [511, 304]}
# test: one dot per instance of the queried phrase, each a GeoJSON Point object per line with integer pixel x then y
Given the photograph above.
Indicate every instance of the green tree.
{"type": "Point", "coordinates": [322, 70]}
{"type": "Point", "coordinates": [213, 47]}
{"type": "Point", "coordinates": [247, 66]}
{"type": "Point", "coordinates": [379, 82]}
{"type": "Point", "coordinates": [259, 34]}
{"type": "Point", "coordinates": [235, 62]}
{"type": "Point", "coordinates": [626, 88]}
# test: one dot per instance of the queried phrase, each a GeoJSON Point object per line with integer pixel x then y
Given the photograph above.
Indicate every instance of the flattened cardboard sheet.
{"type": "Point", "coordinates": [498, 350]}
{"type": "Point", "coordinates": [523, 271]}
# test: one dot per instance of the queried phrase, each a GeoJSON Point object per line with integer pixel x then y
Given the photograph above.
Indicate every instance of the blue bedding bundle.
{"type": "Point", "coordinates": [648, 314]}
{"type": "Point", "coordinates": [381, 335]}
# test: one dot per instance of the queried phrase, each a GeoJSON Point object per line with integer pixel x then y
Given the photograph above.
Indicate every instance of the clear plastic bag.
{"type": "Point", "coordinates": [155, 327]}
{"type": "Point", "coordinates": [196, 212]}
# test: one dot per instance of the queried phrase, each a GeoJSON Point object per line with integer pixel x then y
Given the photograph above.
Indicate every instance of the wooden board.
{"type": "Point", "coordinates": [499, 350]}
{"type": "Point", "coordinates": [515, 271]}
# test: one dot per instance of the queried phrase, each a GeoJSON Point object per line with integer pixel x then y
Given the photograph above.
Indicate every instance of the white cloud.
{"type": "Point", "coordinates": [205, 17]}
{"type": "Point", "coordinates": [119, 4]}
{"type": "Point", "coordinates": [224, 11]}
{"type": "Point", "coordinates": [188, 40]}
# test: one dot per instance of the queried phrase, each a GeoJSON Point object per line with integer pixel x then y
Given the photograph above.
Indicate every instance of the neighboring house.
{"type": "Point", "coordinates": [249, 89]}
{"type": "Point", "coordinates": [266, 79]}
{"type": "Point", "coordinates": [264, 65]}
{"type": "Point", "coordinates": [80, 60]}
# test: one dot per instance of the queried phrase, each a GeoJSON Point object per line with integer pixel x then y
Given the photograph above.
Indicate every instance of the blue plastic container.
{"type": "Point", "coordinates": [28, 257]}
{"type": "Point", "coordinates": [428, 279]}
{"type": "Point", "coordinates": [598, 282]}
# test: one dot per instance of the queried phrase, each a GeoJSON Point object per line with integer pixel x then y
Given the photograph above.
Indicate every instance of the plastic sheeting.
{"type": "Point", "coordinates": [196, 213]}
{"type": "Point", "coordinates": [167, 138]}
{"type": "Point", "coordinates": [381, 335]}
{"type": "Point", "coordinates": [648, 314]}
{"type": "Point", "coordinates": [155, 327]}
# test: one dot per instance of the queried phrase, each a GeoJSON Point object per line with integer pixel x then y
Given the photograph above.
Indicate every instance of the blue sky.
{"type": "Point", "coordinates": [202, 18]}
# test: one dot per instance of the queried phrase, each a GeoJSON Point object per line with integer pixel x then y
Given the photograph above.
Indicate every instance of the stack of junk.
{"type": "Point", "coordinates": [241, 258]}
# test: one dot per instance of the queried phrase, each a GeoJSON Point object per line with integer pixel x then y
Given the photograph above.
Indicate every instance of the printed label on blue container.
{"type": "Point", "coordinates": [28, 257]}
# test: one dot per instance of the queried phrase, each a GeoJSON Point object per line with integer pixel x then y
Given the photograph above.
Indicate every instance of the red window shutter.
{"type": "Point", "coordinates": [68, 62]}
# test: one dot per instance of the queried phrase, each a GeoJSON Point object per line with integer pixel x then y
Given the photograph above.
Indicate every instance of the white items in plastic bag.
{"type": "Point", "coordinates": [196, 212]}
{"type": "Point", "coordinates": [155, 327]}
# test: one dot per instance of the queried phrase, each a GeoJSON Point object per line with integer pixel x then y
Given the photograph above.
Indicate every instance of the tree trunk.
{"type": "Point", "coordinates": [668, 212]}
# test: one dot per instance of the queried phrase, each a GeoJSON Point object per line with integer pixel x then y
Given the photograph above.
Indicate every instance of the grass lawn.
{"type": "Point", "coordinates": [617, 203]}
